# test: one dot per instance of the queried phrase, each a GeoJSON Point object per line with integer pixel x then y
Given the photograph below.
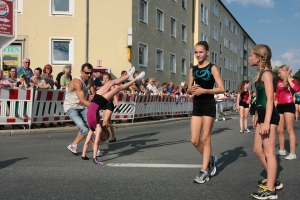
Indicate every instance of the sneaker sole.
{"type": "Point", "coordinates": [205, 180]}
{"type": "Point", "coordinates": [290, 158]}
{"type": "Point", "coordinates": [269, 197]}
{"type": "Point", "coordinates": [75, 153]}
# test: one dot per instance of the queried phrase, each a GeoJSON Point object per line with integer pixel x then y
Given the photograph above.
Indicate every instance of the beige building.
{"type": "Point", "coordinates": [154, 36]}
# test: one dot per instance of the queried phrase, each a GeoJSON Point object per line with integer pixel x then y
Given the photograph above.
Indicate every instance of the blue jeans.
{"type": "Point", "coordinates": [78, 116]}
{"type": "Point", "coordinates": [219, 104]}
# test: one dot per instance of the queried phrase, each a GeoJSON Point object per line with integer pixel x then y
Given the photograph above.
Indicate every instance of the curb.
{"type": "Point", "coordinates": [75, 129]}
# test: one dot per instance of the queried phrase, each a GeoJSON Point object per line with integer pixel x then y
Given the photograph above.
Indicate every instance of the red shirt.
{"type": "Point", "coordinates": [284, 95]}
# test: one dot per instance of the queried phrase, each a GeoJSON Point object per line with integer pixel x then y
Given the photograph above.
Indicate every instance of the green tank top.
{"type": "Point", "coordinates": [261, 97]}
{"type": "Point", "coordinates": [297, 97]}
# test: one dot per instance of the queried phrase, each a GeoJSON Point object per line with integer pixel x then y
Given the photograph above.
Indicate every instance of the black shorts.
{"type": "Point", "coordinates": [252, 109]}
{"type": "Point", "coordinates": [243, 104]}
{"type": "Point", "coordinates": [274, 117]}
{"type": "Point", "coordinates": [289, 107]}
{"type": "Point", "coordinates": [109, 106]}
{"type": "Point", "coordinates": [297, 102]}
{"type": "Point", "coordinates": [207, 108]}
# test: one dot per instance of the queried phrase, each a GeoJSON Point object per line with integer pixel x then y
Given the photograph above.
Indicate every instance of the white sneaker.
{"type": "Point", "coordinates": [72, 148]}
{"type": "Point", "coordinates": [99, 153]}
{"type": "Point", "coordinates": [224, 119]}
{"type": "Point", "coordinates": [281, 153]}
{"type": "Point", "coordinates": [131, 72]}
{"type": "Point", "coordinates": [216, 120]}
{"type": "Point", "coordinates": [141, 75]}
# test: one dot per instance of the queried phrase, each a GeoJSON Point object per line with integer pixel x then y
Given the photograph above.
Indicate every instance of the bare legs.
{"type": "Point", "coordinates": [244, 112]}
{"type": "Point", "coordinates": [107, 121]}
{"type": "Point", "coordinates": [264, 148]}
{"type": "Point", "coordinates": [287, 119]}
{"type": "Point", "coordinates": [202, 141]}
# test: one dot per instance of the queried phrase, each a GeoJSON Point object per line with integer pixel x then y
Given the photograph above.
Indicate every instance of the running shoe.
{"type": "Point", "coordinates": [216, 120]}
{"type": "Point", "coordinates": [99, 153]}
{"type": "Point", "coordinates": [202, 177]}
{"type": "Point", "coordinates": [291, 157]}
{"type": "Point", "coordinates": [263, 183]}
{"type": "Point", "coordinates": [73, 148]}
{"type": "Point", "coordinates": [131, 72]}
{"type": "Point", "coordinates": [241, 131]}
{"type": "Point", "coordinates": [247, 130]}
{"type": "Point", "coordinates": [265, 193]}
{"type": "Point", "coordinates": [141, 75]}
{"type": "Point", "coordinates": [212, 165]}
{"type": "Point", "coordinates": [224, 119]}
{"type": "Point", "coordinates": [281, 153]}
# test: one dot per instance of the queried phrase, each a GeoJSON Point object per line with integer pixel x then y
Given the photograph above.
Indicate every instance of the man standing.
{"type": "Point", "coordinates": [25, 69]}
{"type": "Point", "coordinates": [77, 102]}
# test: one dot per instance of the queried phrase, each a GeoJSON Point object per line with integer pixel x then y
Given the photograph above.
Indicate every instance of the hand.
{"type": "Point", "coordinates": [48, 85]}
{"type": "Point", "coordinates": [248, 102]}
{"type": "Point", "coordinates": [118, 110]}
{"type": "Point", "coordinates": [264, 129]}
{"type": "Point", "coordinates": [238, 108]}
{"type": "Point", "coordinates": [91, 97]}
{"type": "Point", "coordinates": [254, 123]}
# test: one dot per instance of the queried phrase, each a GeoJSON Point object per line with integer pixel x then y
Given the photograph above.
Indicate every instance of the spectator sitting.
{"type": "Point", "coordinates": [57, 80]}
{"type": "Point", "coordinates": [12, 76]}
{"type": "Point", "coordinates": [37, 81]}
{"type": "Point", "coordinates": [151, 86]}
{"type": "Point", "coordinates": [47, 71]}
{"type": "Point", "coordinates": [170, 87]}
{"type": "Point", "coordinates": [3, 81]}
{"type": "Point", "coordinates": [97, 80]}
{"type": "Point", "coordinates": [144, 86]}
{"type": "Point", "coordinates": [25, 69]}
{"type": "Point", "coordinates": [66, 78]}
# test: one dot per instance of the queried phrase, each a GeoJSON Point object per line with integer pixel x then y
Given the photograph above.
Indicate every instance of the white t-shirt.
{"type": "Point", "coordinates": [153, 88]}
{"type": "Point", "coordinates": [221, 96]}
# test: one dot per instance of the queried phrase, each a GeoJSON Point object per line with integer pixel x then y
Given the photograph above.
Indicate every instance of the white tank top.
{"type": "Point", "coordinates": [71, 98]}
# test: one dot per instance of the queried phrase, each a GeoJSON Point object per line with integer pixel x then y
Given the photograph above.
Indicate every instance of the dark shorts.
{"type": "Point", "coordinates": [289, 107]}
{"type": "Point", "coordinates": [252, 109]}
{"type": "Point", "coordinates": [207, 108]}
{"type": "Point", "coordinates": [297, 102]}
{"type": "Point", "coordinates": [274, 117]}
{"type": "Point", "coordinates": [109, 106]}
{"type": "Point", "coordinates": [243, 104]}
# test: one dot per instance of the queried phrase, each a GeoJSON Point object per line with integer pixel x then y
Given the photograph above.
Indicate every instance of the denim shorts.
{"type": "Point", "coordinates": [78, 116]}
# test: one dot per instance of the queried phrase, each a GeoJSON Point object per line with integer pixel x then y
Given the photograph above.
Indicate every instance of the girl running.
{"type": "Point", "coordinates": [205, 75]}
{"type": "Point", "coordinates": [297, 104]}
{"type": "Point", "coordinates": [100, 99]}
{"type": "Point", "coordinates": [286, 108]}
{"type": "Point", "coordinates": [253, 105]}
{"type": "Point", "coordinates": [243, 100]}
{"type": "Point", "coordinates": [265, 122]}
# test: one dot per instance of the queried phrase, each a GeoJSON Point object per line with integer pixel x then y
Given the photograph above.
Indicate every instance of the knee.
{"type": "Point", "coordinates": [195, 142]}
{"type": "Point", "coordinates": [280, 130]}
{"type": "Point", "coordinates": [290, 130]}
{"type": "Point", "coordinates": [206, 140]}
{"type": "Point", "coordinates": [259, 152]}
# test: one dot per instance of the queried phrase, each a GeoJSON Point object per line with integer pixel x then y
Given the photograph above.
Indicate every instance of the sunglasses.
{"type": "Point", "coordinates": [27, 62]}
{"type": "Point", "coordinates": [87, 73]}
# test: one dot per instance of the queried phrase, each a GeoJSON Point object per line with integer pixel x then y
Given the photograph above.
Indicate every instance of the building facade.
{"type": "Point", "coordinates": [154, 36]}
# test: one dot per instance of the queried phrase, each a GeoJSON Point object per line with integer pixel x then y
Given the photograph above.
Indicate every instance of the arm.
{"type": "Point", "coordinates": [277, 95]}
{"type": "Point", "coordinates": [116, 101]}
{"type": "Point", "coordinates": [294, 99]}
{"type": "Point", "coordinates": [80, 93]}
{"type": "Point", "coordinates": [92, 90]}
{"type": "Point", "coordinates": [191, 81]}
{"type": "Point", "coordinates": [294, 84]}
{"type": "Point", "coordinates": [267, 78]}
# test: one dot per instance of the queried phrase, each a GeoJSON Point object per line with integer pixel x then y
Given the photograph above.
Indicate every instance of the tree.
{"type": "Point", "coordinates": [275, 71]}
{"type": "Point", "coordinates": [297, 76]}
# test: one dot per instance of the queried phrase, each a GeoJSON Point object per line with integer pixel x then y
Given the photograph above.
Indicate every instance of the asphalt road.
{"type": "Point", "coordinates": [154, 161]}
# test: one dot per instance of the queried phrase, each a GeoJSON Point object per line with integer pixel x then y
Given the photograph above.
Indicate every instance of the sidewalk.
{"type": "Point", "coordinates": [48, 130]}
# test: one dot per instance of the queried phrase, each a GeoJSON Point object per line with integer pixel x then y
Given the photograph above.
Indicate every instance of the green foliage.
{"type": "Point", "coordinates": [297, 76]}
{"type": "Point", "coordinates": [275, 71]}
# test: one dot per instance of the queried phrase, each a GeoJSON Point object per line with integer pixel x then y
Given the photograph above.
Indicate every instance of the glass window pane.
{"type": "Point", "coordinates": [142, 11]}
{"type": "Point", "coordinates": [141, 55]}
{"type": "Point", "coordinates": [61, 50]}
{"type": "Point", "coordinates": [62, 5]}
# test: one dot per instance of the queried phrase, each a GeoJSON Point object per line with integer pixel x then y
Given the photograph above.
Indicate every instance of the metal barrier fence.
{"type": "Point", "coordinates": [31, 106]}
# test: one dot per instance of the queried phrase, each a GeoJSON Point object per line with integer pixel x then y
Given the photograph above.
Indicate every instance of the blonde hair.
{"type": "Point", "coordinates": [285, 79]}
{"type": "Point", "coordinates": [264, 52]}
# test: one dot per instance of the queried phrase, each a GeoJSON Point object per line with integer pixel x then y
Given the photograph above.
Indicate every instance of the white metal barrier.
{"type": "Point", "coordinates": [30, 106]}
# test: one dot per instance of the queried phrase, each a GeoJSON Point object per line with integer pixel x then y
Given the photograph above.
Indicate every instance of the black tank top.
{"type": "Point", "coordinates": [204, 79]}
{"type": "Point", "coordinates": [244, 96]}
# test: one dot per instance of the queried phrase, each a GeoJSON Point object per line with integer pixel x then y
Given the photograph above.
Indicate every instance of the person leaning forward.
{"type": "Point", "coordinates": [77, 102]}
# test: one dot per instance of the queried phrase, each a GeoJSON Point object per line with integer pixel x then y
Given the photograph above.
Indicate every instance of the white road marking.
{"type": "Point", "coordinates": [154, 165]}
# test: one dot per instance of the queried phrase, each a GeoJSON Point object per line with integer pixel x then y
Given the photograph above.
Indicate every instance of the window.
{"type": "Point", "coordinates": [220, 28]}
{"type": "Point", "coordinates": [214, 33]}
{"type": "Point", "coordinates": [214, 58]}
{"type": "Point", "coordinates": [159, 59]}
{"type": "Point", "coordinates": [204, 14]}
{"type": "Point", "coordinates": [230, 26]}
{"type": "Point", "coordinates": [20, 6]}
{"type": "Point", "coordinates": [62, 50]}
{"type": "Point", "coordinates": [183, 66]}
{"type": "Point", "coordinates": [183, 34]}
{"type": "Point", "coordinates": [235, 67]}
{"type": "Point", "coordinates": [143, 55]}
{"type": "Point", "coordinates": [184, 4]}
{"type": "Point", "coordinates": [226, 22]}
{"type": "Point", "coordinates": [214, 9]}
{"type": "Point", "coordinates": [172, 63]}
{"type": "Point", "coordinates": [160, 20]}
{"type": "Point", "coordinates": [225, 63]}
{"type": "Point", "coordinates": [173, 27]}
{"type": "Point", "coordinates": [235, 31]}
{"type": "Point", "coordinates": [226, 42]}
{"type": "Point", "coordinates": [203, 37]}
{"type": "Point", "coordinates": [143, 11]}
{"type": "Point", "coordinates": [221, 51]}
{"type": "Point", "coordinates": [62, 7]}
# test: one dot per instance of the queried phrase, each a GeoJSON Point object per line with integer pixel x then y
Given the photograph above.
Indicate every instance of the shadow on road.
{"type": "Point", "coordinates": [220, 130]}
{"type": "Point", "coordinates": [230, 156]}
{"type": "Point", "coordinates": [6, 163]}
